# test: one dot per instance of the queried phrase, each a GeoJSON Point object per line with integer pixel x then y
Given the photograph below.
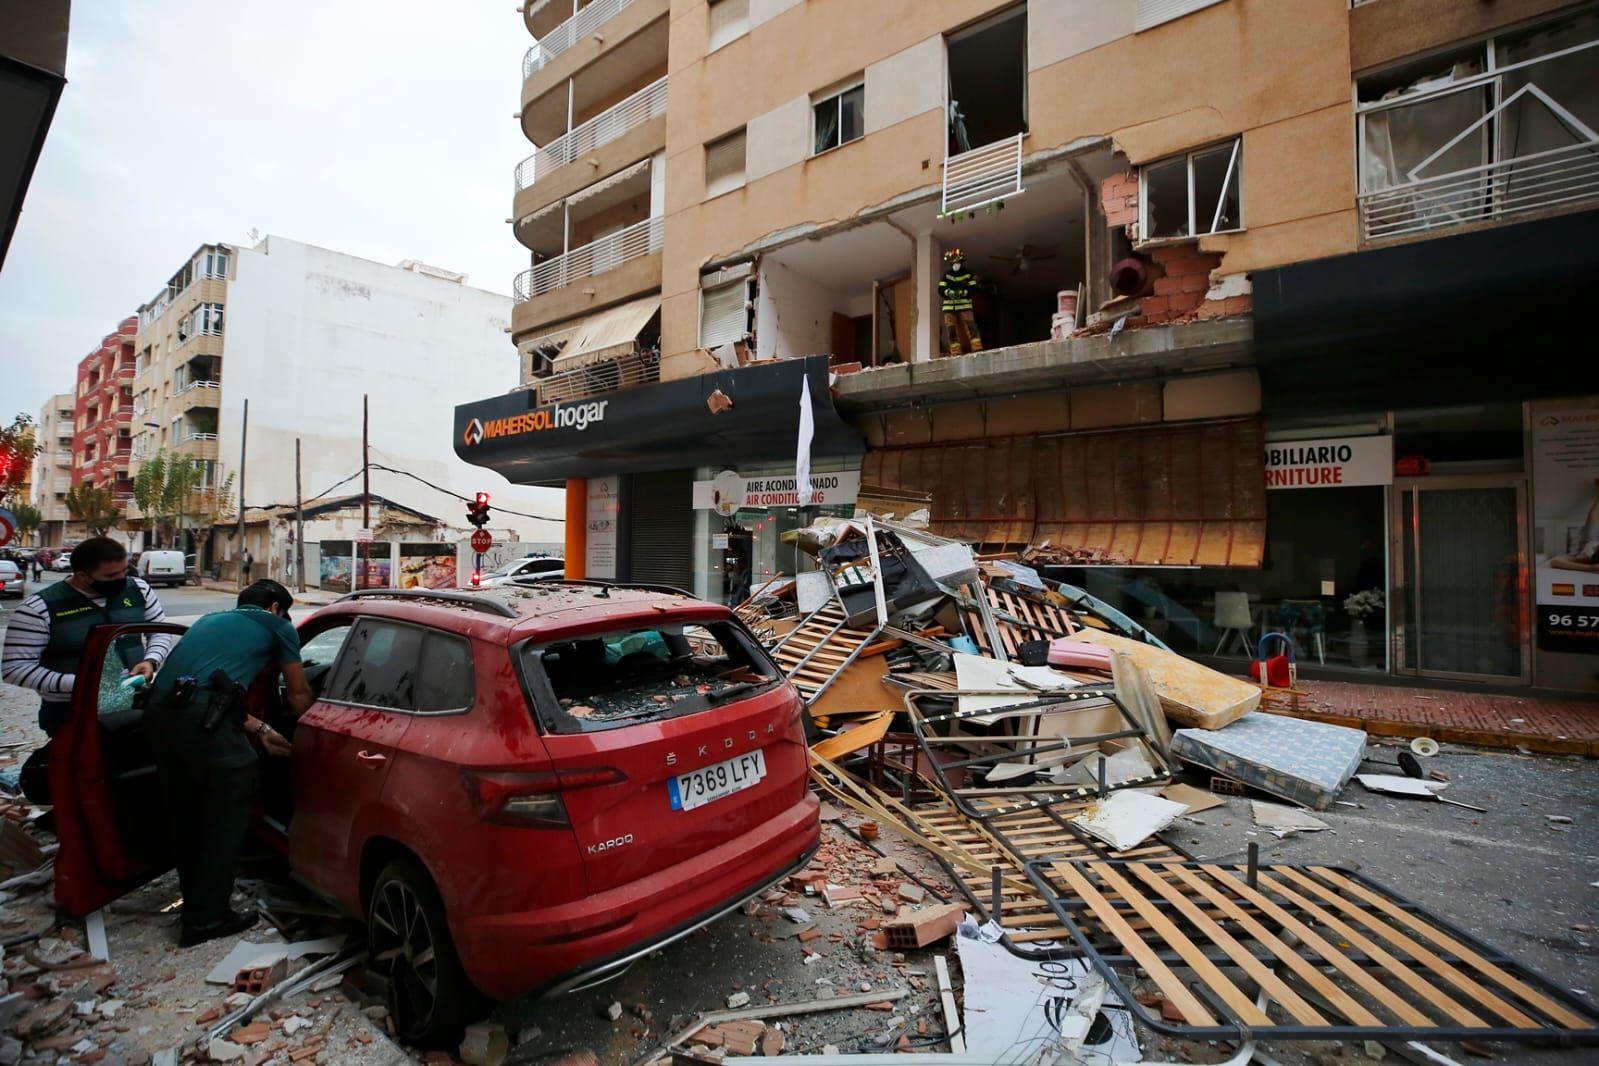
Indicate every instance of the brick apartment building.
{"type": "Point", "coordinates": [102, 445]}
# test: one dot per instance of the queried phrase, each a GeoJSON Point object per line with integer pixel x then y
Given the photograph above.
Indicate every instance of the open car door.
{"type": "Point", "coordinates": [110, 814]}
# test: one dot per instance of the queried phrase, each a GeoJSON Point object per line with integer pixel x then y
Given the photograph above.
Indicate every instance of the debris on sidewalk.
{"type": "Point", "coordinates": [1282, 822]}
{"type": "Point", "coordinates": [1307, 763]}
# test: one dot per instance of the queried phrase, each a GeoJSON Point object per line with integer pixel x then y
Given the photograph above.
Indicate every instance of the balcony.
{"type": "Point", "coordinates": [600, 379]}
{"type": "Point", "coordinates": [606, 254]}
{"type": "Point", "coordinates": [568, 33]}
{"type": "Point", "coordinates": [1453, 148]}
{"type": "Point", "coordinates": [200, 394]}
{"type": "Point", "coordinates": [596, 275]}
{"type": "Point", "coordinates": [621, 50]}
{"type": "Point", "coordinates": [598, 131]}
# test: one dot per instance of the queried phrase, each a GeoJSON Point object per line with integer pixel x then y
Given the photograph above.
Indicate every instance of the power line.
{"type": "Point", "coordinates": [457, 495]}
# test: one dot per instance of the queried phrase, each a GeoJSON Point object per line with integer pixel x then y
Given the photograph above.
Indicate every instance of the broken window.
{"type": "Point", "coordinates": [988, 81]}
{"type": "Point", "coordinates": [1501, 126]}
{"type": "Point", "coordinates": [642, 675]}
{"type": "Point", "coordinates": [838, 119]}
{"type": "Point", "coordinates": [729, 20]}
{"type": "Point", "coordinates": [1193, 194]}
{"type": "Point", "coordinates": [724, 164]}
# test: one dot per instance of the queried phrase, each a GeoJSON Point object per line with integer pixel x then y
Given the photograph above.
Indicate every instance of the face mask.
{"type": "Point", "coordinates": [110, 588]}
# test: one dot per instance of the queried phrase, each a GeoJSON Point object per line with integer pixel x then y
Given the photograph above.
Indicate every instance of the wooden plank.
{"type": "Point", "coordinates": [1314, 940]}
{"type": "Point", "coordinates": [1552, 1008]}
{"type": "Point", "coordinates": [1394, 968]}
{"type": "Point", "coordinates": [1291, 957]}
{"type": "Point", "coordinates": [1193, 1012]}
{"type": "Point", "coordinates": [1242, 1003]}
{"type": "Point", "coordinates": [1286, 997]}
{"type": "Point", "coordinates": [1430, 959]}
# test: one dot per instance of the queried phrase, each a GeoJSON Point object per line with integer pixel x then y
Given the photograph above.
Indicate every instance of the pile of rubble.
{"type": "Point", "coordinates": [1031, 738]}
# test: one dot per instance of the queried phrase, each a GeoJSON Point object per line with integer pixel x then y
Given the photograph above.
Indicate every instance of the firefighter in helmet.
{"type": "Point", "coordinates": [955, 290]}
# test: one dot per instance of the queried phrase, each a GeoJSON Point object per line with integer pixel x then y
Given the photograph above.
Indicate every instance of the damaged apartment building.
{"type": "Point", "coordinates": [1280, 306]}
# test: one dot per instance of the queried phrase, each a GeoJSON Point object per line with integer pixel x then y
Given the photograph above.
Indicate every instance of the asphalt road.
{"type": "Point", "coordinates": [183, 604]}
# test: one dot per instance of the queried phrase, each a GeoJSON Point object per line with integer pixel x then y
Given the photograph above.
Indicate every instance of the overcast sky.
{"type": "Point", "coordinates": [379, 129]}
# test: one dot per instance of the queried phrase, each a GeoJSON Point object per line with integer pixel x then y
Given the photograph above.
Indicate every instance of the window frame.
{"type": "Point", "coordinates": [1233, 175]}
{"type": "Point", "coordinates": [741, 134]}
{"type": "Point", "coordinates": [736, 27]}
{"type": "Point", "coordinates": [426, 632]}
{"type": "Point", "coordinates": [836, 97]}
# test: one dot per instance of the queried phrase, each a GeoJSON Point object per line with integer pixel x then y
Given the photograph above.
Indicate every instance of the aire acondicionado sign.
{"type": "Point", "coordinates": [1329, 463]}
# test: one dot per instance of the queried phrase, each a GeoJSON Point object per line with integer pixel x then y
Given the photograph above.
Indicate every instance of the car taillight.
{"type": "Point", "coordinates": [532, 799]}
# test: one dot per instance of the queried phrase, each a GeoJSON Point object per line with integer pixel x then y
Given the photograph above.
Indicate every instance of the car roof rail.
{"type": "Point", "coordinates": [594, 582]}
{"type": "Point", "coordinates": [466, 599]}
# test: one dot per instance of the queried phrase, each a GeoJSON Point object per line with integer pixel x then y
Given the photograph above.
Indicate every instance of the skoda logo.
{"type": "Point", "coordinates": [474, 433]}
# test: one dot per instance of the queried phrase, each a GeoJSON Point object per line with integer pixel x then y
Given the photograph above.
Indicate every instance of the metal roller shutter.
{"type": "Point", "coordinates": [724, 314]}
{"type": "Point", "coordinates": [660, 524]}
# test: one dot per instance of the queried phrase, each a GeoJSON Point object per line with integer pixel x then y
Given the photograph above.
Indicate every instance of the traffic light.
{"type": "Point", "coordinates": [477, 579]}
{"type": "Point", "coordinates": [477, 512]}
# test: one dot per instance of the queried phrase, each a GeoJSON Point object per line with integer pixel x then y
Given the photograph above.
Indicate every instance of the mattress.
{"type": "Point", "coordinates": [1308, 763]}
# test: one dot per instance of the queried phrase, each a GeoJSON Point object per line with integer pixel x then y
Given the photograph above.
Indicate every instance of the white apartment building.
{"type": "Point", "coordinates": [52, 468]}
{"type": "Point", "coordinates": [302, 334]}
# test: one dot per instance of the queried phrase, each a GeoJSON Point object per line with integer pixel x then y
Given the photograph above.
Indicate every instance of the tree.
{"type": "Point", "coordinates": [94, 507]}
{"type": "Point", "coordinates": [163, 488]}
{"type": "Point", "coordinates": [16, 454]}
{"type": "Point", "coordinates": [28, 519]}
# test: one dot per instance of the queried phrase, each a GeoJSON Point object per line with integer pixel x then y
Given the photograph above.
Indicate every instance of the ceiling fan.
{"type": "Point", "coordinates": [1025, 256]}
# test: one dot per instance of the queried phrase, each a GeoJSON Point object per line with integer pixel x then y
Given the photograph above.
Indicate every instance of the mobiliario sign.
{"type": "Point", "coordinates": [1330, 462]}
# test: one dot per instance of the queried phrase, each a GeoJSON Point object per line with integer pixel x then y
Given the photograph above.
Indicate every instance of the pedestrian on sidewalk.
{"type": "Point", "coordinates": [245, 562]}
{"type": "Point", "coordinates": [201, 733]}
{"type": "Point", "coordinates": [48, 630]}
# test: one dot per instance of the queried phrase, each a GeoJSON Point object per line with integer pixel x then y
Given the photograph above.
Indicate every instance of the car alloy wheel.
{"type": "Point", "coordinates": [430, 997]}
{"type": "Point", "coordinates": [404, 950]}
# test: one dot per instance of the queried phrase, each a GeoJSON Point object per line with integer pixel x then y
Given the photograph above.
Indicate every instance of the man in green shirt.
{"type": "Point", "coordinates": [201, 735]}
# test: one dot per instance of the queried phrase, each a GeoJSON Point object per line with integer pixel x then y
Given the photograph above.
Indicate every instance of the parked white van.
{"type": "Point", "coordinates": [162, 568]}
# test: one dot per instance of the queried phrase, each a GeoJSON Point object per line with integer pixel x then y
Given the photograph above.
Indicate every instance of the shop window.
{"type": "Point", "coordinates": [1153, 13]}
{"type": "Point", "coordinates": [724, 314]}
{"type": "Point", "coordinates": [988, 81]}
{"type": "Point", "coordinates": [1193, 194]}
{"type": "Point", "coordinates": [729, 20]}
{"type": "Point", "coordinates": [724, 164]}
{"type": "Point", "coordinates": [838, 118]}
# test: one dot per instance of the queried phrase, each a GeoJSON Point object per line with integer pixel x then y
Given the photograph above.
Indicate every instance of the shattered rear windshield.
{"type": "Point", "coordinates": [641, 675]}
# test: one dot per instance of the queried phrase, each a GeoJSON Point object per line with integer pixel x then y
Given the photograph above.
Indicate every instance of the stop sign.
{"type": "Point", "coordinates": [482, 540]}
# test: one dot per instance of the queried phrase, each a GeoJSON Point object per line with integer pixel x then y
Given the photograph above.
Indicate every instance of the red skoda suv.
{"type": "Point", "coordinates": [520, 789]}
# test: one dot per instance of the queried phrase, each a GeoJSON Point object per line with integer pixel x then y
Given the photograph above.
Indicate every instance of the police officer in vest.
{"type": "Point", "coordinates": [201, 734]}
{"type": "Point", "coordinates": [47, 633]}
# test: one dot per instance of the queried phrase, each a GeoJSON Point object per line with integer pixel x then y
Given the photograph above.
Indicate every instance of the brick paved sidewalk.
{"type": "Point", "coordinates": [1536, 723]}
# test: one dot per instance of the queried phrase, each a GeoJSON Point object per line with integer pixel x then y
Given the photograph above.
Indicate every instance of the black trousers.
{"type": "Point", "coordinates": [209, 811]}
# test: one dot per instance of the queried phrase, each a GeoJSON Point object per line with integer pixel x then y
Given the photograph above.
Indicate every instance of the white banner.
{"type": "Point", "coordinates": [728, 492]}
{"type": "Point", "coordinates": [1329, 462]}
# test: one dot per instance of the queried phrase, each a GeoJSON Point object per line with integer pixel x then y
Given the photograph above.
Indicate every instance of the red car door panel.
{"type": "Point", "coordinates": [110, 813]}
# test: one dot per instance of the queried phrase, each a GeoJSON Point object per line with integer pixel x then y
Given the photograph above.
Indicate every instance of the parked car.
{"type": "Point", "coordinates": [62, 563]}
{"type": "Point", "coordinates": [11, 579]}
{"type": "Point", "coordinates": [161, 567]}
{"type": "Point", "coordinates": [519, 790]}
{"type": "Point", "coordinates": [541, 569]}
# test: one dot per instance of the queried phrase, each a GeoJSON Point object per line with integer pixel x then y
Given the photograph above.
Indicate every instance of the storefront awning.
{"type": "Point", "coordinates": [1170, 495]}
{"type": "Point", "coordinates": [601, 335]}
{"type": "Point", "coordinates": [665, 426]}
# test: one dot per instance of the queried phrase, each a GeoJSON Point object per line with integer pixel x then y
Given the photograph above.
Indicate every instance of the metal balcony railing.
{"type": "Point", "coordinates": [197, 435]}
{"type": "Point", "coordinates": [1506, 189]}
{"type": "Point", "coordinates": [199, 385]}
{"type": "Point", "coordinates": [1525, 128]}
{"type": "Point", "coordinates": [569, 33]}
{"type": "Point", "coordinates": [598, 379]}
{"type": "Point", "coordinates": [649, 102]}
{"type": "Point", "coordinates": [607, 253]}
{"type": "Point", "coordinates": [983, 175]}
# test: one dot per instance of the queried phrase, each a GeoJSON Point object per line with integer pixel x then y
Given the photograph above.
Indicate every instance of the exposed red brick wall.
{"type": "Point", "coordinates": [1118, 197]}
{"type": "Point", "coordinates": [1182, 278]}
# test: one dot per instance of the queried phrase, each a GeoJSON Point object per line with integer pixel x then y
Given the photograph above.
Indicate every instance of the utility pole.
{"type": "Point", "coordinates": [299, 521]}
{"type": "Point", "coordinates": [244, 437]}
{"type": "Point", "coordinates": [366, 481]}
